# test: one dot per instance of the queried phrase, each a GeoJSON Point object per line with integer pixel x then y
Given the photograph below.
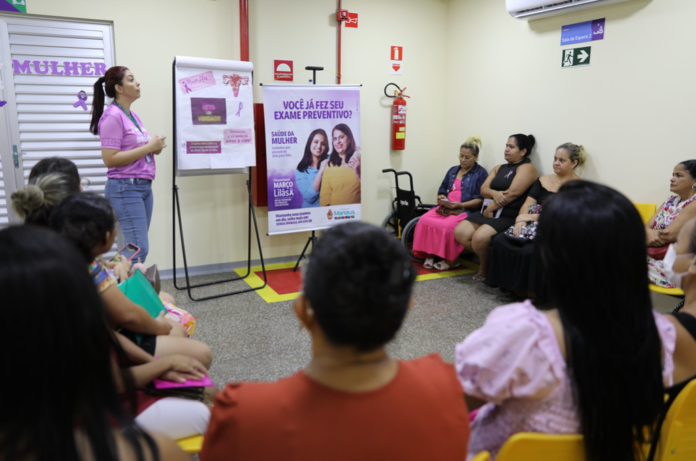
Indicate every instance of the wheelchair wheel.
{"type": "Point", "coordinates": [407, 236]}
{"type": "Point", "coordinates": [390, 225]}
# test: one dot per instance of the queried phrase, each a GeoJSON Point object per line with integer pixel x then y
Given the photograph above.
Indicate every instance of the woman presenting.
{"type": "Point", "coordinates": [340, 183]}
{"type": "Point", "coordinates": [309, 173]}
{"type": "Point", "coordinates": [128, 151]}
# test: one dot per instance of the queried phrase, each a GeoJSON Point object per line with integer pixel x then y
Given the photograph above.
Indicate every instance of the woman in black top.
{"type": "Point", "coordinates": [513, 264]}
{"type": "Point", "coordinates": [507, 186]}
{"type": "Point", "coordinates": [680, 266]}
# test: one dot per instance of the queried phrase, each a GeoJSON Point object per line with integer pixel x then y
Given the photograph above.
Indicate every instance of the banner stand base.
{"type": "Point", "coordinates": [310, 240]}
{"type": "Point", "coordinates": [176, 212]}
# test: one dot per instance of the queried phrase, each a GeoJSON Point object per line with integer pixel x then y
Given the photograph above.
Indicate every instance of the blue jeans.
{"type": "Point", "coordinates": [132, 200]}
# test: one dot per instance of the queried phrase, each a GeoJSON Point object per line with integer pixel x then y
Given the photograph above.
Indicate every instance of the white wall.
{"type": "Point", "coordinates": [469, 67]}
{"type": "Point", "coordinates": [632, 108]}
{"type": "Point", "coordinates": [149, 33]}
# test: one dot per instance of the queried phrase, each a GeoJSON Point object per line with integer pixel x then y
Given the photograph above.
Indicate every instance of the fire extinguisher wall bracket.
{"type": "Point", "coordinates": [398, 131]}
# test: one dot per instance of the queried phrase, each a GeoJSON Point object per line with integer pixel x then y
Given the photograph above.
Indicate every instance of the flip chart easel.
{"type": "Point", "coordinates": [212, 133]}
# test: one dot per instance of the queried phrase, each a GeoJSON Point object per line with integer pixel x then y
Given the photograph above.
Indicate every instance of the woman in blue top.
{"type": "Point", "coordinates": [311, 168]}
{"type": "Point", "coordinates": [459, 194]}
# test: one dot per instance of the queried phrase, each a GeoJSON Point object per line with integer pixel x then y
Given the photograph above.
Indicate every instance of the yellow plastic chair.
{"type": "Point", "coordinates": [678, 434]}
{"type": "Point", "coordinates": [646, 210]}
{"type": "Point", "coordinates": [191, 445]}
{"type": "Point", "coordinates": [677, 292]}
{"type": "Point", "coordinates": [528, 446]}
{"type": "Point", "coordinates": [483, 456]}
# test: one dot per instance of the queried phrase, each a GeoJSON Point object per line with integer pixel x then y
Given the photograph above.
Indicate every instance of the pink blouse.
{"type": "Point", "coordinates": [515, 363]}
{"type": "Point", "coordinates": [117, 131]}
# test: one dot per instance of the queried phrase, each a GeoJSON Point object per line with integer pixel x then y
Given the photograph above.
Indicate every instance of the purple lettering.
{"type": "Point", "coordinates": [23, 68]}
{"type": "Point", "coordinates": [54, 68]}
{"type": "Point", "coordinates": [86, 71]}
{"type": "Point", "coordinates": [99, 68]}
{"type": "Point", "coordinates": [37, 67]}
{"type": "Point", "coordinates": [71, 67]}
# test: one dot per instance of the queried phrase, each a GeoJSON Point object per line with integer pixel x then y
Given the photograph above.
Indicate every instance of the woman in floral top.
{"type": "Point", "coordinates": [663, 227]}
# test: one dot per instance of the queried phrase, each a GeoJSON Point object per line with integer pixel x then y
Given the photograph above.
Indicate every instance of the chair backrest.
{"type": "Point", "coordinates": [527, 446]}
{"type": "Point", "coordinates": [646, 210]}
{"type": "Point", "coordinates": [191, 445]}
{"type": "Point", "coordinates": [678, 434]}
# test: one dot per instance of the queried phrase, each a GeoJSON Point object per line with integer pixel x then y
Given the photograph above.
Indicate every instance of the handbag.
{"type": "Point", "coordinates": [449, 211]}
{"type": "Point", "coordinates": [444, 211]}
{"type": "Point", "coordinates": [528, 232]}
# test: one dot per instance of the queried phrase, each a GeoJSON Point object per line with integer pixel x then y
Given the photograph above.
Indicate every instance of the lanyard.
{"type": "Point", "coordinates": [148, 157]}
{"type": "Point", "coordinates": [130, 116]}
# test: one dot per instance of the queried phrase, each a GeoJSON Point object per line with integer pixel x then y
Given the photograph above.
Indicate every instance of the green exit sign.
{"type": "Point", "coordinates": [575, 57]}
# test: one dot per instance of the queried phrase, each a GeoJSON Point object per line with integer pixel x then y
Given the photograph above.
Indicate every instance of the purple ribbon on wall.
{"type": "Point", "coordinates": [81, 98]}
{"type": "Point", "coordinates": [239, 112]}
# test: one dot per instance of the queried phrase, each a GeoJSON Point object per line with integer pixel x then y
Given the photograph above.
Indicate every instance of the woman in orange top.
{"type": "Point", "coordinates": [341, 181]}
{"type": "Point", "coordinates": [352, 401]}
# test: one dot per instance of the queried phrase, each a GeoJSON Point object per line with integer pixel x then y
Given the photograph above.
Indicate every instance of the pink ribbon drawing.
{"type": "Point", "coordinates": [81, 98]}
{"type": "Point", "coordinates": [239, 112]}
{"type": "Point", "coordinates": [235, 81]}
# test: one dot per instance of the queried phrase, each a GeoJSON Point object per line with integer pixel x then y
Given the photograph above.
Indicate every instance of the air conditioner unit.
{"type": "Point", "coordinates": [529, 10]}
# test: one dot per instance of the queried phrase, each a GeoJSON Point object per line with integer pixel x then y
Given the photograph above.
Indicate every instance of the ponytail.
{"type": "Point", "coordinates": [113, 76]}
{"type": "Point", "coordinates": [524, 141]}
{"type": "Point", "coordinates": [576, 153]}
{"type": "Point", "coordinates": [473, 143]}
{"type": "Point", "coordinates": [97, 105]}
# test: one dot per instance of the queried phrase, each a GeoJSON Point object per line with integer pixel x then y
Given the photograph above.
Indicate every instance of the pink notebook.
{"type": "Point", "coordinates": [162, 384]}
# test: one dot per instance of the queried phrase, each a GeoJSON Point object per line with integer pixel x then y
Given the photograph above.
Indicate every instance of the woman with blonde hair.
{"type": "Point", "coordinates": [34, 202]}
{"type": "Point", "coordinates": [513, 265]}
{"type": "Point", "coordinates": [460, 191]}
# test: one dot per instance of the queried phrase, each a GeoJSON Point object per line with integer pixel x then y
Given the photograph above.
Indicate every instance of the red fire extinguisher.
{"type": "Point", "coordinates": [398, 131]}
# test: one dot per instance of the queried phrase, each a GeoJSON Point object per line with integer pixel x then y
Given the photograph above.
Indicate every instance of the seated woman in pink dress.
{"type": "Point", "coordinates": [460, 191]}
{"type": "Point", "coordinates": [596, 365]}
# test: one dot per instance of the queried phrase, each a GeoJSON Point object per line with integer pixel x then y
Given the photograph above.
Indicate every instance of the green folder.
{"type": "Point", "coordinates": [138, 289]}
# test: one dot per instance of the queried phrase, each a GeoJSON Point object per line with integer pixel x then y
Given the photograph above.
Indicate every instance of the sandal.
{"type": "Point", "coordinates": [443, 266]}
{"type": "Point", "coordinates": [428, 264]}
{"type": "Point", "coordinates": [479, 278]}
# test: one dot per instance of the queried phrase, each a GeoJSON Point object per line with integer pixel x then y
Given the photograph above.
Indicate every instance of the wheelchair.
{"type": "Point", "coordinates": [407, 210]}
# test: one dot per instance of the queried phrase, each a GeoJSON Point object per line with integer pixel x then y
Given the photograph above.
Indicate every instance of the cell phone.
{"type": "Point", "coordinates": [444, 200]}
{"type": "Point", "coordinates": [126, 250]}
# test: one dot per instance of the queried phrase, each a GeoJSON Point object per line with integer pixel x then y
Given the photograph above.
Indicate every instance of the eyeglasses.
{"type": "Point", "coordinates": [466, 157]}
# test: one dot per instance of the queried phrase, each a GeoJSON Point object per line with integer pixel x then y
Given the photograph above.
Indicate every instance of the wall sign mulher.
{"type": "Point", "coordinates": [51, 67]}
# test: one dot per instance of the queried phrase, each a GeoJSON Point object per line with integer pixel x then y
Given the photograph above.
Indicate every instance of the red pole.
{"type": "Point", "coordinates": [338, 77]}
{"type": "Point", "coordinates": [244, 29]}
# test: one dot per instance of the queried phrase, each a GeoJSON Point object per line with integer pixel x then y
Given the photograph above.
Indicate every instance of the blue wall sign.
{"type": "Point", "coordinates": [587, 31]}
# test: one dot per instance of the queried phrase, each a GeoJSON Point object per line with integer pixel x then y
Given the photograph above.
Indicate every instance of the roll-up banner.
{"type": "Point", "coordinates": [313, 155]}
{"type": "Point", "coordinates": [214, 114]}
